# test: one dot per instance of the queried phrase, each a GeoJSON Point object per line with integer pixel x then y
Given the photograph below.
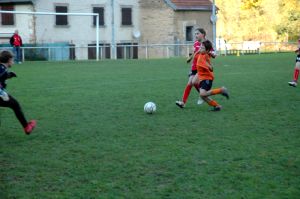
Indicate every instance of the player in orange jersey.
{"type": "Point", "coordinates": [206, 77]}
{"type": "Point", "coordinates": [297, 67]}
{"type": "Point", "coordinates": [200, 34]}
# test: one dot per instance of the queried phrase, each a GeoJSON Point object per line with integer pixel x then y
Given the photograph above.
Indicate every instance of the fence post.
{"type": "Point", "coordinates": [124, 52]}
{"type": "Point", "coordinates": [147, 51]}
{"type": "Point", "coordinates": [49, 53]}
{"type": "Point", "coordinates": [168, 53]}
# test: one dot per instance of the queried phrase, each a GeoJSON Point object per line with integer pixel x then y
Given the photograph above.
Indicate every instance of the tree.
{"type": "Point", "coordinates": [263, 20]}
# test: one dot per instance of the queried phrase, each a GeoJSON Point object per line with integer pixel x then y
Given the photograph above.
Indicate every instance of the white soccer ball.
{"type": "Point", "coordinates": [150, 107]}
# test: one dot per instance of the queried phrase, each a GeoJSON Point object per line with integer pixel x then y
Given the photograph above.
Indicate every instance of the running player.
{"type": "Point", "coordinates": [200, 34]}
{"type": "Point", "coordinates": [6, 100]}
{"type": "Point", "coordinates": [206, 77]}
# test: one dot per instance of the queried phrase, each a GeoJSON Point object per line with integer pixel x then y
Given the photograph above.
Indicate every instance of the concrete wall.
{"type": "Point", "coordinates": [198, 19]}
{"type": "Point", "coordinates": [160, 24]}
{"type": "Point", "coordinates": [157, 22]}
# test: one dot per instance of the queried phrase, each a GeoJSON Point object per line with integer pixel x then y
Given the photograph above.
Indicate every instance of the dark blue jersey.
{"type": "Point", "coordinates": [4, 75]}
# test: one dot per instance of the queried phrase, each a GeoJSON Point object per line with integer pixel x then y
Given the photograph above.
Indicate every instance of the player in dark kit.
{"type": "Point", "coordinates": [6, 100]}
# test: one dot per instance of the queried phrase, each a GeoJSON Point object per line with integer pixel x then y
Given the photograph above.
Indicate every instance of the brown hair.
{"type": "Point", "coordinates": [202, 31]}
{"type": "Point", "coordinates": [208, 45]}
{"type": "Point", "coordinates": [5, 55]}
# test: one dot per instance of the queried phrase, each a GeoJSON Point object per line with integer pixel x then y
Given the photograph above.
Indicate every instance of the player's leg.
{"type": "Point", "coordinates": [296, 75]}
{"type": "Point", "coordinates": [186, 91]}
{"type": "Point", "coordinates": [15, 106]}
{"type": "Point", "coordinates": [196, 82]}
{"type": "Point", "coordinates": [15, 54]}
{"type": "Point", "coordinates": [19, 57]}
{"type": "Point", "coordinates": [223, 91]}
{"type": "Point", "coordinates": [205, 87]}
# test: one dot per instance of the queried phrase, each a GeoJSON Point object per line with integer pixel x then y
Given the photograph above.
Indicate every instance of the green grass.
{"type": "Point", "coordinates": [93, 139]}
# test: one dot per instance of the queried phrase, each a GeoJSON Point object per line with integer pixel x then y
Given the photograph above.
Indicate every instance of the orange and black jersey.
{"type": "Point", "coordinates": [204, 71]}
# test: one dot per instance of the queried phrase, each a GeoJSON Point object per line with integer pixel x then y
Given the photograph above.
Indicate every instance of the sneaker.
{"type": "Point", "coordinates": [30, 126]}
{"type": "Point", "coordinates": [225, 92]}
{"type": "Point", "coordinates": [180, 104]}
{"type": "Point", "coordinates": [200, 101]}
{"type": "Point", "coordinates": [4, 95]}
{"type": "Point", "coordinates": [216, 108]}
{"type": "Point", "coordinates": [292, 83]}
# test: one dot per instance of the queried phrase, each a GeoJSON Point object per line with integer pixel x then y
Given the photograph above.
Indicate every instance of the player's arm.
{"type": "Point", "coordinates": [7, 75]}
{"type": "Point", "coordinates": [212, 53]}
{"type": "Point", "coordinates": [191, 57]}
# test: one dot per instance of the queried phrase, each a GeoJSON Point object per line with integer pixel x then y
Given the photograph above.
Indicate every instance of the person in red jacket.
{"type": "Point", "coordinates": [16, 42]}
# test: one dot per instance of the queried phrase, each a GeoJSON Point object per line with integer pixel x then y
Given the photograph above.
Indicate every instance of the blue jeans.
{"type": "Point", "coordinates": [17, 53]}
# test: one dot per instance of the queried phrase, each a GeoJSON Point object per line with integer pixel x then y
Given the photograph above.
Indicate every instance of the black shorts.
{"type": "Point", "coordinates": [298, 58]}
{"type": "Point", "coordinates": [192, 72]}
{"type": "Point", "coordinates": [206, 84]}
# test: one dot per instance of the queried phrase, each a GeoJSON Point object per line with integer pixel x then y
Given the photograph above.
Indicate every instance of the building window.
{"type": "Point", "coordinates": [7, 18]}
{"type": "Point", "coordinates": [126, 16]}
{"type": "Point", "coordinates": [189, 33]}
{"type": "Point", "coordinates": [127, 51]}
{"type": "Point", "coordinates": [61, 20]}
{"type": "Point", "coordinates": [104, 51]}
{"type": "Point", "coordinates": [100, 11]}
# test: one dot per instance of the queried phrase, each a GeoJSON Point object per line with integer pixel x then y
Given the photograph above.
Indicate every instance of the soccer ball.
{"type": "Point", "coordinates": [150, 107]}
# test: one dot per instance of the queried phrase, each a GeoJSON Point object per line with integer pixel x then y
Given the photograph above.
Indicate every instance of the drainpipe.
{"type": "Point", "coordinates": [113, 42]}
{"type": "Point", "coordinates": [214, 20]}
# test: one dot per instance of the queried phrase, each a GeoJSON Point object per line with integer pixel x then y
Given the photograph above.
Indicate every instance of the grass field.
{"type": "Point", "coordinates": [93, 139]}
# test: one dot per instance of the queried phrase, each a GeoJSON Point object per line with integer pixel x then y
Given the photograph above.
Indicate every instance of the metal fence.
{"type": "Point", "coordinates": [143, 51]}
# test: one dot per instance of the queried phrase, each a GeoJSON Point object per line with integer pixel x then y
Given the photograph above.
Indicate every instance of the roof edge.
{"type": "Point", "coordinates": [188, 8]}
{"type": "Point", "coordinates": [16, 1]}
{"type": "Point", "coordinates": [172, 5]}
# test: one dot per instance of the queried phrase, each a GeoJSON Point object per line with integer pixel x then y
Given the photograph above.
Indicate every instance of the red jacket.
{"type": "Point", "coordinates": [16, 40]}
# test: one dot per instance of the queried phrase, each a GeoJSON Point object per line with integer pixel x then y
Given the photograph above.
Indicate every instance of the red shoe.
{"type": "Point", "coordinates": [30, 126]}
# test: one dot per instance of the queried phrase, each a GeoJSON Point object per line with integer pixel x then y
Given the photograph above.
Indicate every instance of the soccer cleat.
{"type": "Point", "coordinates": [4, 95]}
{"type": "Point", "coordinates": [292, 83]}
{"type": "Point", "coordinates": [216, 108]}
{"type": "Point", "coordinates": [180, 104]}
{"type": "Point", "coordinates": [200, 101]}
{"type": "Point", "coordinates": [225, 92]}
{"type": "Point", "coordinates": [30, 126]}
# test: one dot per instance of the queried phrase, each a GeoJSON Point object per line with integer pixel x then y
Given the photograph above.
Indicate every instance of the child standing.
{"type": "Point", "coordinates": [6, 100]}
{"type": "Point", "coordinates": [206, 77]}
